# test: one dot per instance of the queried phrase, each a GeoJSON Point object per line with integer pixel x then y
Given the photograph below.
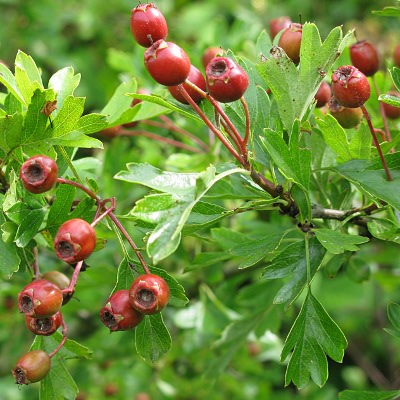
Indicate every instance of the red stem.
{"type": "Point", "coordinates": [220, 111]}
{"type": "Point", "coordinates": [382, 110]}
{"type": "Point", "coordinates": [105, 213]}
{"type": "Point", "coordinates": [183, 132]}
{"type": "Point", "coordinates": [376, 143]}
{"type": "Point", "coordinates": [209, 124]}
{"type": "Point", "coordinates": [160, 139]}
{"type": "Point", "coordinates": [64, 339]}
{"type": "Point", "coordinates": [113, 217]}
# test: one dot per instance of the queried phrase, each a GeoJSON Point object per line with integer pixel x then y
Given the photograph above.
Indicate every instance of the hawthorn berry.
{"type": "Point", "coordinates": [32, 367]}
{"type": "Point", "coordinates": [396, 56]}
{"type": "Point", "coordinates": [60, 280]}
{"type": "Point", "coordinates": [148, 24]}
{"type": "Point", "coordinates": [149, 294]}
{"type": "Point", "coordinates": [210, 53]}
{"type": "Point", "coordinates": [111, 131]}
{"type": "Point", "coordinates": [118, 313]}
{"type": "Point", "coordinates": [278, 24]}
{"type": "Point", "coordinates": [323, 94]}
{"type": "Point", "coordinates": [347, 117]}
{"type": "Point", "coordinates": [364, 56]}
{"type": "Point", "coordinates": [195, 77]}
{"type": "Point", "coordinates": [167, 63]}
{"type": "Point", "coordinates": [40, 299]}
{"type": "Point", "coordinates": [392, 112]}
{"type": "Point", "coordinates": [39, 174]}
{"type": "Point", "coordinates": [226, 80]}
{"type": "Point", "coordinates": [75, 241]}
{"type": "Point", "coordinates": [290, 41]}
{"type": "Point", "coordinates": [44, 326]}
{"type": "Point", "coordinates": [350, 86]}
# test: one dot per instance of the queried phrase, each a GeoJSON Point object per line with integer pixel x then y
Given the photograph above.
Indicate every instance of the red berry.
{"type": "Point", "coordinates": [32, 367]}
{"type": "Point", "coordinates": [40, 299]}
{"type": "Point", "coordinates": [209, 54]}
{"type": "Point", "coordinates": [148, 24]}
{"type": "Point", "coordinates": [278, 24]}
{"type": "Point", "coordinates": [392, 112]}
{"type": "Point", "coordinates": [350, 86]}
{"type": "Point", "coordinates": [195, 77]}
{"type": "Point", "coordinates": [39, 174]}
{"type": "Point", "coordinates": [75, 241]}
{"type": "Point", "coordinates": [347, 117]}
{"type": "Point", "coordinates": [118, 314]}
{"type": "Point", "coordinates": [167, 63]}
{"type": "Point", "coordinates": [323, 94]}
{"type": "Point", "coordinates": [44, 326]}
{"type": "Point", "coordinates": [290, 41]}
{"type": "Point", "coordinates": [149, 294]}
{"type": "Point", "coordinates": [364, 56]}
{"type": "Point", "coordinates": [60, 280]}
{"type": "Point", "coordinates": [226, 80]}
{"type": "Point", "coordinates": [396, 56]}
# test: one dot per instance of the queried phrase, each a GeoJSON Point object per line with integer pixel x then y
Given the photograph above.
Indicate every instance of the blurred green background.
{"type": "Point", "coordinates": [94, 37]}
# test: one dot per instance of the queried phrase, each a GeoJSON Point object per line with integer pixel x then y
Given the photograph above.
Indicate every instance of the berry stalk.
{"type": "Point", "coordinates": [376, 143]}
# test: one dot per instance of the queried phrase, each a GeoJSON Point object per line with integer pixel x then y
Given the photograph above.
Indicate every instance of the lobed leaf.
{"type": "Point", "coordinates": [337, 242]}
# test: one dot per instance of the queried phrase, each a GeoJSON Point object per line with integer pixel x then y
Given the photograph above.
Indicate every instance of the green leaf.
{"type": "Point", "coordinates": [10, 131]}
{"type": "Point", "coordinates": [395, 73]}
{"type": "Point", "coordinates": [91, 123]}
{"type": "Point", "coordinates": [8, 80]}
{"type": "Point", "coordinates": [60, 208]}
{"type": "Point", "coordinates": [256, 250]}
{"type": "Point", "coordinates": [370, 178]}
{"type": "Point", "coordinates": [29, 221]}
{"type": "Point", "coordinates": [335, 137]}
{"type": "Point", "coordinates": [9, 259]}
{"type": "Point", "coordinates": [158, 105]}
{"type": "Point", "coordinates": [313, 336]}
{"type": "Point", "coordinates": [384, 229]}
{"type": "Point", "coordinates": [337, 242]}
{"type": "Point", "coordinates": [27, 76]}
{"type": "Point", "coordinates": [291, 261]}
{"type": "Point", "coordinates": [294, 89]}
{"type": "Point", "coordinates": [393, 312]}
{"type": "Point", "coordinates": [77, 139]}
{"type": "Point", "coordinates": [120, 103]}
{"type": "Point", "coordinates": [390, 99]}
{"type": "Point", "coordinates": [170, 210]}
{"type": "Point", "coordinates": [152, 338]}
{"type": "Point", "coordinates": [68, 116]}
{"type": "Point", "coordinates": [59, 384]}
{"type": "Point", "coordinates": [369, 395]}
{"type": "Point", "coordinates": [64, 83]}
{"type": "Point", "coordinates": [388, 12]}
{"type": "Point", "coordinates": [360, 144]}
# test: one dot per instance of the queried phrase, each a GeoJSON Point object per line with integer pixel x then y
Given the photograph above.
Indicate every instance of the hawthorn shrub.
{"type": "Point", "coordinates": [276, 222]}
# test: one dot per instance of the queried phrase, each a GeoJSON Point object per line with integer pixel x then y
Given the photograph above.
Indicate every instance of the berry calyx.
{"type": "Point", "coordinates": [40, 299]}
{"type": "Point", "coordinates": [149, 294]}
{"type": "Point", "coordinates": [392, 112]}
{"type": "Point", "coordinates": [75, 241]}
{"type": "Point", "coordinates": [364, 56]}
{"type": "Point", "coordinates": [195, 77]}
{"type": "Point", "coordinates": [350, 86]}
{"type": "Point", "coordinates": [148, 24]}
{"type": "Point", "coordinates": [31, 367]}
{"type": "Point", "coordinates": [167, 63]}
{"type": "Point", "coordinates": [323, 94]}
{"type": "Point", "coordinates": [278, 24]}
{"type": "Point", "coordinates": [210, 53]}
{"type": "Point", "coordinates": [39, 174]}
{"type": "Point", "coordinates": [226, 80]}
{"type": "Point", "coordinates": [44, 326]}
{"type": "Point", "coordinates": [347, 117]}
{"type": "Point", "coordinates": [290, 41]}
{"type": "Point", "coordinates": [118, 314]}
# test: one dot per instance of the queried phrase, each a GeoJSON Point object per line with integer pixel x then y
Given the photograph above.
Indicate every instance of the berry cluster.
{"type": "Point", "coordinates": [42, 299]}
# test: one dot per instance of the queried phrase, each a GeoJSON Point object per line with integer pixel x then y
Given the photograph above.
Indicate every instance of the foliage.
{"type": "Point", "coordinates": [262, 280]}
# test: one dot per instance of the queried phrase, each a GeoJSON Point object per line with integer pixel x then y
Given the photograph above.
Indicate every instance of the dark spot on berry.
{"type": "Point", "coordinates": [65, 249]}
{"type": "Point", "coordinates": [35, 172]}
{"type": "Point", "coordinates": [219, 68]}
{"type": "Point", "coordinates": [26, 304]}
{"type": "Point", "coordinates": [108, 319]}
{"type": "Point", "coordinates": [20, 377]}
{"type": "Point", "coordinates": [145, 297]}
